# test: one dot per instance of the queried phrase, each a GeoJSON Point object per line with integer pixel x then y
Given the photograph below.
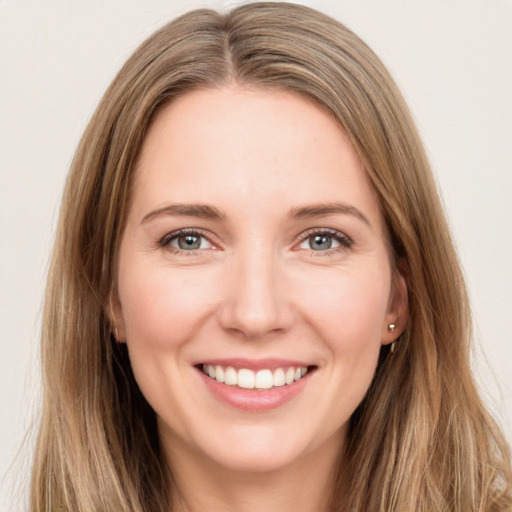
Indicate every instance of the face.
{"type": "Point", "coordinates": [255, 287]}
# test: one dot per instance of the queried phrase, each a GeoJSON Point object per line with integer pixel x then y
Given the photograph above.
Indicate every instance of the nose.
{"type": "Point", "coordinates": [256, 301]}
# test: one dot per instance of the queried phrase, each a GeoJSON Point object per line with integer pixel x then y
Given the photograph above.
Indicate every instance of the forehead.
{"type": "Point", "coordinates": [249, 148]}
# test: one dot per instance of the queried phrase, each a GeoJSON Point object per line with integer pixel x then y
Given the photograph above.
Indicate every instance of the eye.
{"type": "Point", "coordinates": [325, 241]}
{"type": "Point", "coordinates": [186, 240]}
{"type": "Point", "coordinates": [319, 242]}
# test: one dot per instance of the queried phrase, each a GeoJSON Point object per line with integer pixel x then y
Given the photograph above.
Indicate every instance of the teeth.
{"type": "Point", "coordinates": [247, 379]}
{"type": "Point", "coordinates": [219, 374]}
{"type": "Point", "coordinates": [230, 376]}
{"type": "Point", "coordinates": [264, 379]}
{"type": "Point", "coordinates": [279, 379]}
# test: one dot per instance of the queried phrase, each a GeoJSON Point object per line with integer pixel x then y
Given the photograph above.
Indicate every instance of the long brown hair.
{"type": "Point", "coordinates": [421, 440]}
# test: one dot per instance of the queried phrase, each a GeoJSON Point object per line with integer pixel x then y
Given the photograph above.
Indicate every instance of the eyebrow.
{"type": "Point", "coordinates": [318, 210]}
{"type": "Point", "coordinates": [203, 211]}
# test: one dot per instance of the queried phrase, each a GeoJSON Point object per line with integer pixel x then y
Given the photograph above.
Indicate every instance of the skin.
{"type": "Point", "coordinates": [254, 288]}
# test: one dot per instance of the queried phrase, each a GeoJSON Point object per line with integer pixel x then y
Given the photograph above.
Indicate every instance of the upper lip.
{"type": "Point", "coordinates": [254, 364]}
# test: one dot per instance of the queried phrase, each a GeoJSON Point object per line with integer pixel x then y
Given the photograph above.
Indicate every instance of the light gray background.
{"type": "Point", "coordinates": [452, 59]}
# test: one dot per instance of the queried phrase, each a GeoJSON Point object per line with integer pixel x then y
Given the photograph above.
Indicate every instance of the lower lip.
{"type": "Point", "coordinates": [252, 399]}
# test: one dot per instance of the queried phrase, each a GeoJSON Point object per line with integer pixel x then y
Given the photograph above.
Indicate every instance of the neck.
{"type": "Point", "coordinates": [305, 485]}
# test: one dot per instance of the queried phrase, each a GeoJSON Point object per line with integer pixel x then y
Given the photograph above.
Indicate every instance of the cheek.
{"type": "Point", "coordinates": [162, 308]}
{"type": "Point", "coordinates": [347, 314]}
{"type": "Point", "coordinates": [349, 306]}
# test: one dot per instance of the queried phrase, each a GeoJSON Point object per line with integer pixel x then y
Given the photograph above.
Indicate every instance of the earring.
{"type": "Point", "coordinates": [391, 330]}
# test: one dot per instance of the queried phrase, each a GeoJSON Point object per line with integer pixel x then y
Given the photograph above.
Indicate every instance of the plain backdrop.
{"type": "Point", "coordinates": [452, 60]}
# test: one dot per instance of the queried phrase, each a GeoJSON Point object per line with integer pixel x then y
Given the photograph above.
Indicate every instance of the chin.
{"type": "Point", "coordinates": [253, 459]}
{"type": "Point", "coordinates": [260, 448]}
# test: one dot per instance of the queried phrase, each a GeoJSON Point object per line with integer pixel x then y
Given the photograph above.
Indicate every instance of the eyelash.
{"type": "Point", "coordinates": [344, 241]}
{"type": "Point", "coordinates": [165, 241]}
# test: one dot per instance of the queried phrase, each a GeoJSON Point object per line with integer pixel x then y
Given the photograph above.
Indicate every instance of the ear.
{"type": "Point", "coordinates": [115, 316]}
{"type": "Point", "coordinates": [397, 315]}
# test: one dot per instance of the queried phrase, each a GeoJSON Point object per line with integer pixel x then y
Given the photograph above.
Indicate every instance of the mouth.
{"type": "Point", "coordinates": [263, 379]}
{"type": "Point", "coordinates": [255, 385]}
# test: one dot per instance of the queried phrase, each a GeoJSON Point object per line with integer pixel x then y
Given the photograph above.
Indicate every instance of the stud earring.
{"type": "Point", "coordinates": [391, 330]}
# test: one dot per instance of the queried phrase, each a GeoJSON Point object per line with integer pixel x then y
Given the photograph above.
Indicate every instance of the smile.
{"type": "Point", "coordinates": [255, 385]}
{"type": "Point", "coordinates": [263, 379]}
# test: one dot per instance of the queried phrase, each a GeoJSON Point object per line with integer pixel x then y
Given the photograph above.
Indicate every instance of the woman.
{"type": "Point", "coordinates": [254, 302]}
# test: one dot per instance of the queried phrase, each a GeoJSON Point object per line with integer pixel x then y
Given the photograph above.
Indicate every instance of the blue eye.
{"type": "Point", "coordinates": [323, 241]}
{"type": "Point", "coordinates": [186, 241]}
